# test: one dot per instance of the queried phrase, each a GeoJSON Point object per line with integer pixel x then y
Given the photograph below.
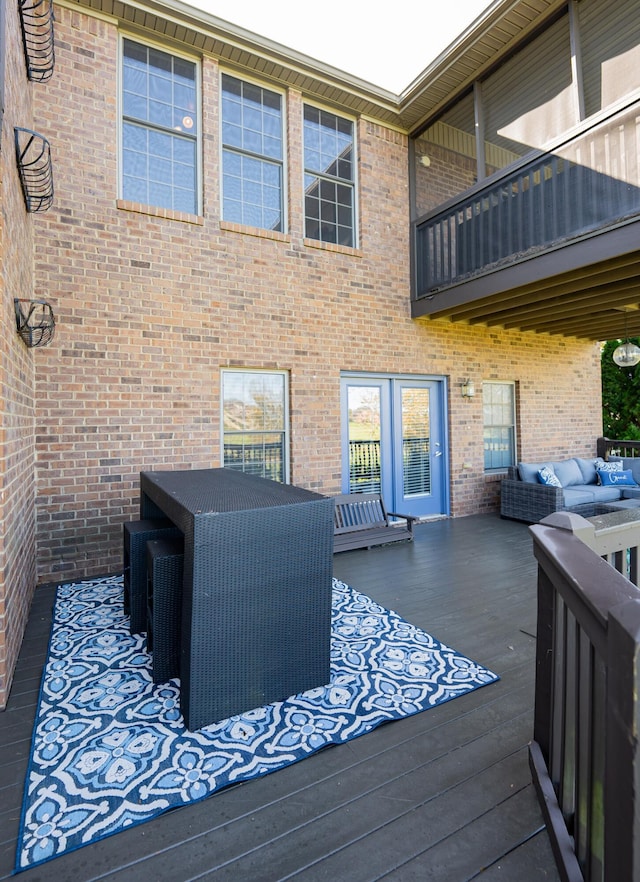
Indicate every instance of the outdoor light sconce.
{"type": "Point", "coordinates": [468, 389]}
{"type": "Point", "coordinates": [34, 321]}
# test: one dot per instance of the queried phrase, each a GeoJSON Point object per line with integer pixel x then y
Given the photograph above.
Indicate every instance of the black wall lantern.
{"type": "Point", "coordinates": [34, 321]}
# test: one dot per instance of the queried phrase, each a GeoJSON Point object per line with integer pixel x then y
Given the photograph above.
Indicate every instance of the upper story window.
{"type": "Point", "coordinates": [159, 128]}
{"type": "Point", "coordinates": [499, 418]}
{"type": "Point", "coordinates": [252, 155]}
{"type": "Point", "coordinates": [329, 200]}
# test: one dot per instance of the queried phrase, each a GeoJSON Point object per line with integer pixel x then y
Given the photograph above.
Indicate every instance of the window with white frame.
{"type": "Point", "coordinates": [329, 177]}
{"type": "Point", "coordinates": [255, 422]}
{"type": "Point", "coordinates": [252, 155]}
{"type": "Point", "coordinates": [159, 128]}
{"type": "Point", "coordinates": [499, 416]}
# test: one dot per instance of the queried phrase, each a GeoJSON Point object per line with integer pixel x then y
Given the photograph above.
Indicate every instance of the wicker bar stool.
{"type": "Point", "coordinates": [165, 561]}
{"type": "Point", "coordinates": [136, 536]}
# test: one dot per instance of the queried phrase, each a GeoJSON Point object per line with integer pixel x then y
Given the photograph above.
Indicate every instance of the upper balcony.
{"type": "Point", "coordinates": [552, 245]}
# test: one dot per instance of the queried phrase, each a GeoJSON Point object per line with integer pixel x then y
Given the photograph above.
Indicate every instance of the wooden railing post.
{"type": "Point", "coordinates": [585, 757]}
{"type": "Point", "coordinates": [622, 766]}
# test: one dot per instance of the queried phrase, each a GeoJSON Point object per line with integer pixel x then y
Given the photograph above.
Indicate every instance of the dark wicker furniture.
{"type": "Point", "coordinates": [165, 564]}
{"type": "Point", "coordinates": [525, 501]}
{"type": "Point", "coordinates": [136, 534]}
{"type": "Point", "coordinates": [362, 521]}
{"type": "Point", "coordinates": [256, 607]}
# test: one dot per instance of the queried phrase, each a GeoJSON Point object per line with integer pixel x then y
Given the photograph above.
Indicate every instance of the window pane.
{"type": "Point", "coordinates": [159, 106]}
{"type": "Point", "coordinates": [498, 410]}
{"type": "Point", "coordinates": [251, 134]}
{"type": "Point", "coordinates": [254, 413]}
{"type": "Point", "coordinates": [252, 191]}
{"type": "Point", "coordinates": [328, 153]}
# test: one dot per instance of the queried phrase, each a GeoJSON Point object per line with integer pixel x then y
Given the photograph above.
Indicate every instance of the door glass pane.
{"type": "Point", "coordinates": [364, 439]}
{"type": "Point", "coordinates": [415, 442]}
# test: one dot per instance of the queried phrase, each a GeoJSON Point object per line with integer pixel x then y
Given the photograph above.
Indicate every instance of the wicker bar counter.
{"type": "Point", "coordinates": [256, 593]}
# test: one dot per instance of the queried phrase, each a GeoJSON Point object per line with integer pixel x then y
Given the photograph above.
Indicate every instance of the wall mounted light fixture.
{"type": "Point", "coordinates": [34, 321]}
{"type": "Point", "coordinates": [468, 389]}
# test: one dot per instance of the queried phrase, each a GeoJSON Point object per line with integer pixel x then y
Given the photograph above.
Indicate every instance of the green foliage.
{"type": "Point", "coordinates": [620, 396]}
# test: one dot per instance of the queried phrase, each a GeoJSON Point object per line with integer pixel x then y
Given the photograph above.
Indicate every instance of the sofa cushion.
{"type": "Point", "coordinates": [528, 471]}
{"type": "Point", "coordinates": [578, 495]}
{"type": "Point", "coordinates": [568, 472]}
{"type": "Point", "coordinates": [548, 477]}
{"type": "Point", "coordinates": [588, 468]}
{"type": "Point", "coordinates": [619, 478]}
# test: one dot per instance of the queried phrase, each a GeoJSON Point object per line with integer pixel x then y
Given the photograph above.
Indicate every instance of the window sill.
{"type": "Point", "coordinates": [254, 231]}
{"type": "Point", "coordinates": [168, 213]}
{"type": "Point", "coordinates": [495, 476]}
{"type": "Point", "coordinates": [330, 246]}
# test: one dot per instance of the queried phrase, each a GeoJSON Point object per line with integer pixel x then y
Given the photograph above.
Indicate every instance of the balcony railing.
{"type": "Point", "coordinates": [586, 184]}
{"type": "Point", "coordinates": [585, 756]}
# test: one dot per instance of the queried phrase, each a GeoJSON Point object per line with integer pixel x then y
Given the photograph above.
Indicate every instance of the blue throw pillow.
{"type": "Point", "coordinates": [548, 477]}
{"type": "Point", "coordinates": [616, 477]}
{"type": "Point", "coordinates": [604, 468]}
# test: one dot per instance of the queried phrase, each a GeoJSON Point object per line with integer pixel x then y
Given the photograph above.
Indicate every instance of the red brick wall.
{"type": "Point", "coordinates": [152, 305]}
{"type": "Point", "coordinates": [17, 365]}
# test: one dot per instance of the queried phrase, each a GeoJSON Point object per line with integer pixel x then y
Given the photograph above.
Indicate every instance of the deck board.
{"type": "Point", "coordinates": [445, 794]}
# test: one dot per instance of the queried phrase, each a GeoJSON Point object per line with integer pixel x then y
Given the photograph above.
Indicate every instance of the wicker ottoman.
{"type": "Point", "coordinates": [136, 536]}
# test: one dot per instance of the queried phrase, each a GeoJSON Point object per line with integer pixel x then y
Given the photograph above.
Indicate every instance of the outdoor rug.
{"type": "Point", "coordinates": [110, 749]}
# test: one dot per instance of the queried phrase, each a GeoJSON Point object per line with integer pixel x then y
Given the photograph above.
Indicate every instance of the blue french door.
{"type": "Point", "coordinates": [394, 442]}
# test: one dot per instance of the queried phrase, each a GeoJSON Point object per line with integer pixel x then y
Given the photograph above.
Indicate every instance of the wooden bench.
{"type": "Point", "coordinates": [361, 521]}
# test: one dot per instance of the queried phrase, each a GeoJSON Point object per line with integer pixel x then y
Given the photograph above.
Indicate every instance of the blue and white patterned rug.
{"type": "Point", "coordinates": [110, 749]}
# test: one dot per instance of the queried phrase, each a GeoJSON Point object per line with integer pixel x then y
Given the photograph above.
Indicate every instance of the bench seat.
{"type": "Point", "coordinates": [362, 521]}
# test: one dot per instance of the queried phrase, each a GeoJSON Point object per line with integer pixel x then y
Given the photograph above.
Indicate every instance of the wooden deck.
{"type": "Point", "coordinates": [444, 795]}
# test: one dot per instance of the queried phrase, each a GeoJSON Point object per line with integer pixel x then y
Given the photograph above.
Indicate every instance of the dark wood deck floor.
{"type": "Point", "coordinates": [444, 795]}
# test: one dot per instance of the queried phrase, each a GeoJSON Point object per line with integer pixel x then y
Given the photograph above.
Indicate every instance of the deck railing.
{"type": "Point", "coordinates": [587, 183]}
{"type": "Point", "coordinates": [606, 447]}
{"type": "Point", "coordinates": [585, 756]}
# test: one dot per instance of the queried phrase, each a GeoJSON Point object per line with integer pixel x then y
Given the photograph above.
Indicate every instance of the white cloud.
{"type": "Point", "coordinates": [386, 45]}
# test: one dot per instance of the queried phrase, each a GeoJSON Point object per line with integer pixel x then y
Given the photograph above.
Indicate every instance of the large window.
{"type": "Point", "coordinates": [252, 155]}
{"type": "Point", "coordinates": [499, 415]}
{"type": "Point", "coordinates": [159, 128]}
{"type": "Point", "coordinates": [255, 423]}
{"type": "Point", "coordinates": [329, 177]}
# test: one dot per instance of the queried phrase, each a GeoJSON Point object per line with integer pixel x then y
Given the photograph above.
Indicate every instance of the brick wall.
{"type": "Point", "coordinates": [447, 175]}
{"type": "Point", "coordinates": [152, 305]}
{"type": "Point", "coordinates": [17, 365]}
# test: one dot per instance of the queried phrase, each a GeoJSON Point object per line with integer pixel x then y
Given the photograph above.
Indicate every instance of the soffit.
{"type": "Point", "coordinates": [502, 26]}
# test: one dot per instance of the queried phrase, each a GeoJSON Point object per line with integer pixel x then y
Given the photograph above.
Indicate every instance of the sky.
{"type": "Point", "coordinates": [387, 44]}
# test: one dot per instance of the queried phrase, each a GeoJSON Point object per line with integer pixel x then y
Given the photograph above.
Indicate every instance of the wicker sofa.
{"type": "Point", "coordinates": [524, 498]}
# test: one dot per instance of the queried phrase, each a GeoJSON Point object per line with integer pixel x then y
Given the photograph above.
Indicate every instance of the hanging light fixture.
{"type": "Point", "coordinates": [627, 354]}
